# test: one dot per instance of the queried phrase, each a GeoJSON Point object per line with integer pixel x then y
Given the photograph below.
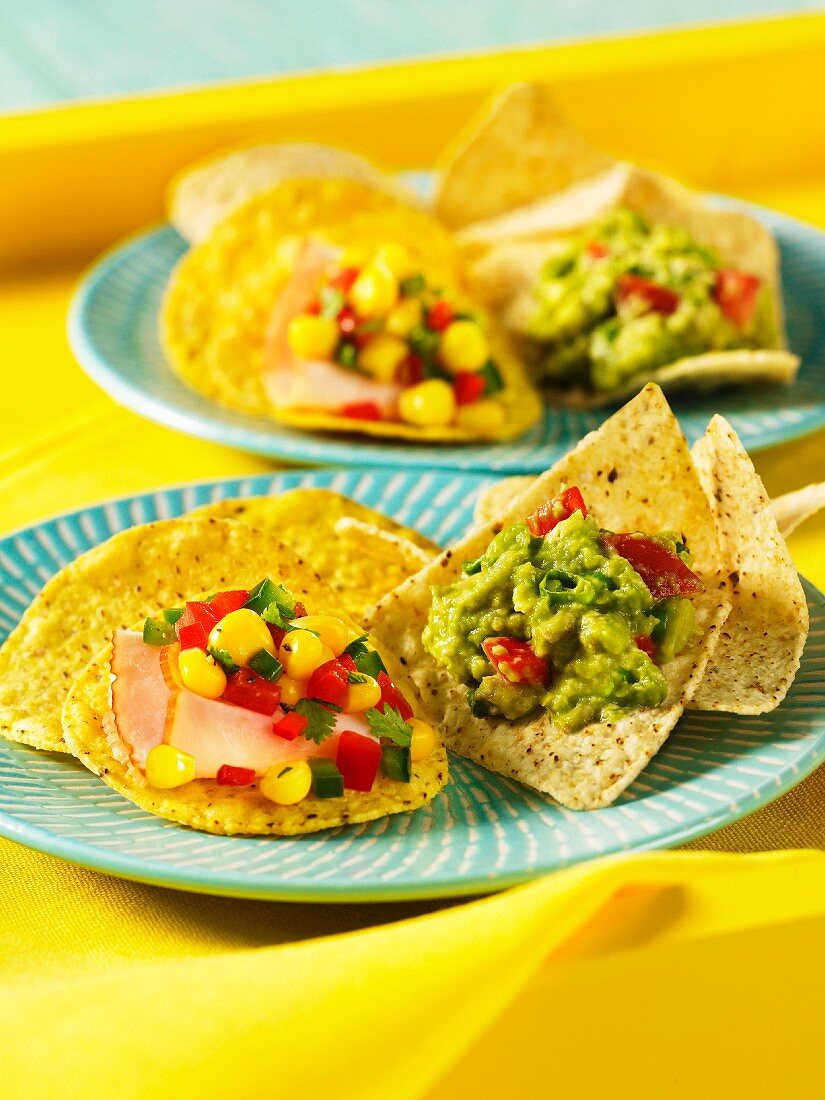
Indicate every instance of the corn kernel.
{"type": "Point", "coordinates": [287, 783]}
{"type": "Point", "coordinates": [382, 356]}
{"type": "Point", "coordinates": [312, 337]}
{"type": "Point", "coordinates": [332, 631]}
{"type": "Point", "coordinates": [423, 740]}
{"type": "Point", "coordinates": [301, 653]}
{"type": "Point", "coordinates": [168, 767]}
{"type": "Point", "coordinates": [485, 417]}
{"type": "Point", "coordinates": [292, 690]}
{"type": "Point", "coordinates": [374, 292]}
{"type": "Point", "coordinates": [403, 319]}
{"type": "Point", "coordinates": [463, 346]}
{"type": "Point", "coordinates": [361, 697]}
{"type": "Point", "coordinates": [353, 256]}
{"type": "Point", "coordinates": [429, 404]}
{"type": "Point", "coordinates": [241, 634]}
{"type": "Point", "coordinates": [200, 674]}
{"type": "Point", "coordinates": [397, 258]}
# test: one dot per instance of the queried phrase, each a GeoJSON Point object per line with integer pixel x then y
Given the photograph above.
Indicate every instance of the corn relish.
{"type": "Point", "coordinates": [379, 316]}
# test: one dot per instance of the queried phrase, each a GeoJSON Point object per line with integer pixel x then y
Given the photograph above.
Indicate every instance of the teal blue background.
{"type": "Point", "coordinates": [56, 50]}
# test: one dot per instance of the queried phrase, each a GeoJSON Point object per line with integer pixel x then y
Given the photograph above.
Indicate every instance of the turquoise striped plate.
{"type": "Point", "coordinates": [481, 833]}
{"type": "Point", "coordinates": [113, 332]}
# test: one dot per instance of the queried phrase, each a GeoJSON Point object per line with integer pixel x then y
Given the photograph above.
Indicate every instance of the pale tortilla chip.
{"type": "Point", "coordinates": [239, 558]}
{"type": "Point", "coordinates": [518, 148]}
{"type": "Point", "coordinates": [502, 259]}
{"type": "Point", "coordinates": [205, 193]}
{"type": "Point", "coordinates": [221, 294]}
{"type": "Point", "coordinates": [589, 768]}
{"type": "Point", "coordinates": [360, 570]}
{"type": "Point", "coordinates": [792, 509]}
{"type": "Point", "coordinates": [761, 643]}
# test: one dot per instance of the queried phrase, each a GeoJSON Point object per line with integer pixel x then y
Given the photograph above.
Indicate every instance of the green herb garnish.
{"type": "Point", "coordinates": [391, 725]}
{"type": "Point", "coordinates": [320, 720]}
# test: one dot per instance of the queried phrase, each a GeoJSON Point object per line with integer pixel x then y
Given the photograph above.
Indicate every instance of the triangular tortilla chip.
{"type": "Point", "coordinates": [761, 644]}
{"type": "Point", "coordinates": [518, 148]}
{"type": "Point", "coordinates": [792, 509]}
{"type": "Point", "coordinates": [635, 473]}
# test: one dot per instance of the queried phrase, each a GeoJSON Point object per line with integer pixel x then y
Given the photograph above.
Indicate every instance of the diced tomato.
{"type": "Point", "coordinates": [357, 760]}
{"type": "Point", "coordinates": [597, 250]}
{"type": "Point", "coordinates": [562, 506]}
{"type": "Point", "coordinates": [277, 634]}
{"type": "Point", "coordinates": [247, 689]}
{"type": "Point", "coordinates": [392, 697]}
{"type": "Point", "coordinates": [410, 370]}
{"type": "Point", "coordinates": [362, 410]}
{"type": "Point", "coordinates": [329, 683]}
{"type": "Point", "coordinates": [646, 645]}
{"type": "Point", "coordinates": [347, 321]}
{"type": "Point", "coordinates": [194, 625]}
{"type": "Point", "coordinates": [344, 278]}
{"type": "Point", "coordinates": [468, 387]}
{"type": "Point", "coordinates": [735, 293]}
{"type": "Point", "coordinates": [225, 602]}
{"type": "Point", "coordinates": [663, 571]}
{"type": "Point", "coordinates": [515, 661]}
{"type": "Point", "coordinates": [439, 315]}
{"type": "Point", "coordinates": [230, 776]}
{"type": "Point", "coordinates": [658, 299]}
{"type": "Point", "coordinates": [299, 610]}
{"type": "Point", "coordinates": [290, 726]}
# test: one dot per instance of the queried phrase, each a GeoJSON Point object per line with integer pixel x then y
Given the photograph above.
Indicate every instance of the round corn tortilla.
{"type": "Point", "coordinates": [101, 591]}
{"type": "Point", "coordinates": [204, 804]}
{"type": "Point", "coordinates": [590, 767]}
{"type": "Point", "coordinates": [205, 193]}
{"type": "Point", "coordinates": [221, 294]}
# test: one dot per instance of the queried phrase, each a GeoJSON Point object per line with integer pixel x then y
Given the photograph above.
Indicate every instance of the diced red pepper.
{"type": "Point", "coordinates": [348, 662]}
{"type": "Point", "coordinates": [439, 315]}
{"type": "Point", "coordinates": [663, 571]}
{"type": "Point", "coordinates": [362, 410]}
{"type": "Point", "coordinates": [230, 776]}
{"type": "Point", "coordinates": [344, 278]}
{"type": "Point", "coordinates": [290, 726]}
{"type": "Point", "coordinates": [515, 661]}
{"type": "Point", "coordinates": [329, 683]}
{"type": "Point", "coordinates": [597, 250]}
{"type": "Point", "coordinates": [314, 307]}
{"type": "Point", "coordinates": [735, 293]}
{"type": "Point", "coordinates": [410, 370]}
{"type": "Point", "coordinates": [646, 645]}
{"type": "Point", "coordinates": [363, 336]}
{"type": "Point", "coordinates": [299, 610]}
{"type": "Point", "coordinates": [226, 602]}
{"type": "Point", "coordinates": [657, 299]}
{"type": "Point", "coordinates": [357, 759]}
{"type": "Point", "coordinates": [194, 625]}
{"type": "Point", "coordinates": [392, 697]}
{"type": "Point", "coordinates": [247, 689]}
{"type": "Point", "coordinates": [468, 387]}
{"type": "Point", "coordinates": [277, 634]}
{"type": "Point", "coordinates": [549, 515]}
{"type": "Point", "coordinates": [347, 321]}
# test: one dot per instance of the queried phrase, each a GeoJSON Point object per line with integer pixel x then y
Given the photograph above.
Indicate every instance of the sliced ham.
{"type": "Point", "coordinates": [291, 382]}
{"type": "Point", "coordinates": [146, 713]}
{"type": "Point", "coordinates": [139, 694]}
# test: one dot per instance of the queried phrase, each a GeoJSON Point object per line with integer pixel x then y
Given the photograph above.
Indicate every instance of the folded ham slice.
{"type": "Point", "coordinates": [291, 382]}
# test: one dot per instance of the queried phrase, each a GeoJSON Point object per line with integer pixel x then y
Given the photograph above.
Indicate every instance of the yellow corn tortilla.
{"type": "Point", "coordinates": [360, 568]}
{"type": "Point", "coordinates": [503, 252]}
{"type": "Point", "coordinates": [205, 193]}
{"type": "Point", "coordinates": [588, 768]}
{"type": "Point", "coordinates": [222, 292]}
{"type": "Point", "coordinates": [68, 622]}
{"type": "Point", "coordinates": [517, 148]}
{"type": "Point", "coordinates": [761, 643]}
{"type": "Point", "coordinates": [242, 558]}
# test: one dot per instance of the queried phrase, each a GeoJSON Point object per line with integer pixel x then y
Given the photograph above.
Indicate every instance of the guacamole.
{"type": "Point", "coordinates": [560, 621]}
{"type": "Point", "coordinates": [625, 298]}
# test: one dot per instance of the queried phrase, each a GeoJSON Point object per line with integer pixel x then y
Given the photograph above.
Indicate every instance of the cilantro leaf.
{"type": "Point", "coordinates": [356, 678]}
{"type": "Point", "coordinates": [391, 725]}
{"type": "Point", "coordinates": [320, 720]}
{"type": "Point", "coordinates": [358, 647]}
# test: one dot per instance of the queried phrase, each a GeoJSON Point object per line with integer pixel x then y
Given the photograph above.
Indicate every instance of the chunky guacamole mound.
{"type": "Point", "coordinates": [582, 608]}
{"type": "Point", "coordinates": [625, 298]}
